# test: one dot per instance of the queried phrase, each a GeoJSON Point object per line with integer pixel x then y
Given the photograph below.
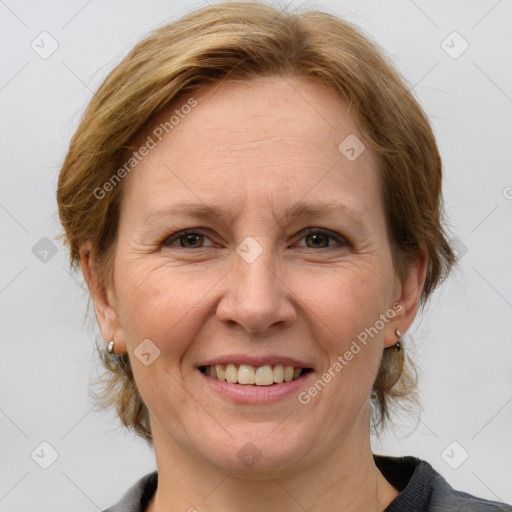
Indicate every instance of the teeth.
{"type": "Point", "coordinates": [231, 373]}
{"type": "Point", "coordinates": [288, 373]}
{"type": "Point", "coordinates": [221, 374]}
{"type": "Point", "coordinates": [278, 373]}
{"type": "Point", "coordinates": [246, 374]}
{"type": "Point", "coordinates": [264, 376]}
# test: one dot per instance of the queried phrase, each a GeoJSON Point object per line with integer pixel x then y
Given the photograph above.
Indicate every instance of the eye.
{"type": "Point", "coordinates": [194, 239]}
{"type": "Point", "coordinates": [319, 239]}
{"type": "Point", "coordinates": [187, 239]}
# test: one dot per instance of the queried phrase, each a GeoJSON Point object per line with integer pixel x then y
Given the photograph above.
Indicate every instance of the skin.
{"type": "Point", "coordinates": [254, 149]}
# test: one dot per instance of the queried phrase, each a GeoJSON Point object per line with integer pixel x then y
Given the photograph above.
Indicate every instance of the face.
{"type": "Point", "coordinates": [248, 238]}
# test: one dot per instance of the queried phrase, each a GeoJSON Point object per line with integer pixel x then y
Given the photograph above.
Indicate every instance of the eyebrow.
{"type": "Point", "coordinates": [302, 209]}
{"type": "Point", "coordinates": [295, 211]}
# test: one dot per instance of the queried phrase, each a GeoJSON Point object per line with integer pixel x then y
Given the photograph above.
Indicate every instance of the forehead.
{"type": "Point", "coordinates": [282, 138]}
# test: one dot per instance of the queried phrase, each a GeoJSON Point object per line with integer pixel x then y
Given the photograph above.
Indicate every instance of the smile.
{"type": "Point", "coordinates": [266, 375]}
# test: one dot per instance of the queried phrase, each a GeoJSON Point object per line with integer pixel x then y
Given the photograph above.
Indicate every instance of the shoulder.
{"type": "Point", "coordinates": [138, 495]}
{"type": "Point", "coordinates": [423, 489]}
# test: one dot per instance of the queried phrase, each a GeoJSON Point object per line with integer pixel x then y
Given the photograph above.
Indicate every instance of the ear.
{"type": "Point", "coordinates": [106, 313]}
{"type": "Point", "coordinates": [408, 297]}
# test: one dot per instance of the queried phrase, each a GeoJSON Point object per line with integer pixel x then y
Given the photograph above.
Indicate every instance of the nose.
{"type": "Point", "coordinates": [255, 296]}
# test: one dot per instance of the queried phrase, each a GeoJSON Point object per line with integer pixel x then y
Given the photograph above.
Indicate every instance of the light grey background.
{"type": "Point", "coordinates": [462, 344]}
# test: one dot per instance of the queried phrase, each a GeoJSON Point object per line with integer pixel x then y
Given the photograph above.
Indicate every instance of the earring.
{"type": "Point", "coordinates": [399, 335]}
{"type": "Point", "coordinates": [110, 348]}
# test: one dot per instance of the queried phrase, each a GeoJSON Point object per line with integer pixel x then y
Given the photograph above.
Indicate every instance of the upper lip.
{"type": "Point", "coordinates": [256, 360]}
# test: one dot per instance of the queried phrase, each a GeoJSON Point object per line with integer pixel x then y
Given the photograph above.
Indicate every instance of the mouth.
{"type": "Point", "coordinates": [265, 375]}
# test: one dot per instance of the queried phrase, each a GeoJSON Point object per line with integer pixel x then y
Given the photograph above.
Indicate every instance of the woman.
{"type": "Point", "coordinates": [254, 199]}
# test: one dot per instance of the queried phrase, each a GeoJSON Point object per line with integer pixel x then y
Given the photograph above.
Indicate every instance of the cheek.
{"type": "Point", "coordinates": [160, 302]}
{"type": "Point", "coordinates": [351, 312]}
{"type": "Point", "coordinates": [347, 300]}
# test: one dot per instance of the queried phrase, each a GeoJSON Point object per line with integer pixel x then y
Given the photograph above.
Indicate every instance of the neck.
{"type": "Point", "coordinates": [344, 479]}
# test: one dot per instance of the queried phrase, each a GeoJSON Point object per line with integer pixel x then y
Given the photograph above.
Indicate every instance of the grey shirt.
{"type": "Point", "coordinates": [422, 489]}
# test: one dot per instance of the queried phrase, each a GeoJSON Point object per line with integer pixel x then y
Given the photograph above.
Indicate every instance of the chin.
{"type": "Point", "coordinates": [254, 450]}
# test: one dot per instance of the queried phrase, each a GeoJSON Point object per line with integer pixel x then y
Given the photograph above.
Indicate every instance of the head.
{"type": "Point", "coordinates": [251, 113]}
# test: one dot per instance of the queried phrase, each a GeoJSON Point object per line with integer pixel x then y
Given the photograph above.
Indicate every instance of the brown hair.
{"type": "Point", "coordinates": [240, 41]}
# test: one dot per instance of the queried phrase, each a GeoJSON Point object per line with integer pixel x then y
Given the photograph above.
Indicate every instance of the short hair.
{"type": "Point", "coordinates": [241, 41]}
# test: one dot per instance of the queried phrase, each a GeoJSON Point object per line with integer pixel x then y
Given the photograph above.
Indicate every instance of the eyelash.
{"type": "Point", "coordinates": [341, 240]}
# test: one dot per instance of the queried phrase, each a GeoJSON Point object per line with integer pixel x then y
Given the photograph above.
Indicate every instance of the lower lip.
{"type": "Point", "coordinates": [251, 394]}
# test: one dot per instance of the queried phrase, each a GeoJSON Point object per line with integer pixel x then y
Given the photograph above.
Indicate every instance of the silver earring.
{"type": "Point", "coordinates": [110, 348]}
{"type": "Point", "coordinates": [399, 335]}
